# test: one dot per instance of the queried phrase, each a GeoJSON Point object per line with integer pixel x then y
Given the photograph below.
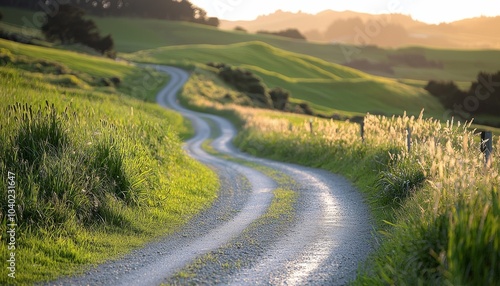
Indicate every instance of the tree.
{"type": "Point", "coordinates": [176, 10]}
{"type": "Point", "coordinates": [213, 21]}
{"type": "Point", "coordinates": [68, 26]}
{"type": "Point", "coordinates": [104, 45]}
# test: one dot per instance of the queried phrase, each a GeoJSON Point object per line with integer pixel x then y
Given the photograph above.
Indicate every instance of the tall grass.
{"type": "Point", "coordinates": [436, 206]}
{"type": "Point", "coordinates": [445, 224]}
{"type": "Point", "coordinates": [96, 175]}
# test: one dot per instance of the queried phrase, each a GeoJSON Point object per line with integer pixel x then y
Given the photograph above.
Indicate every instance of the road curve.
{"type": "Point", "coordinates": [324, 245]}
{"type": "Point", "coordinates": [333, 233]}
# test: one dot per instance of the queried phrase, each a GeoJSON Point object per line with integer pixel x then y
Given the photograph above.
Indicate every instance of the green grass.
{"type": "Point", "coordinates": [460, 65]}
{"type": "Point", "coordinates": [436, 209]}
{"type": "Point", "coordinates": [85, 69]}
{"type": "Point", "coordinates": [313, 78]}
{"type": "Point", "coordinates": [98, 173]}
{"type": "Point", "coordinates": [327, 86]}
{"type": "Point", "coordinates": [132, 35]}
{"type": "Point", "coordinates": [93, 65]}
{"type": "Point", "coordinates": [440, 235]}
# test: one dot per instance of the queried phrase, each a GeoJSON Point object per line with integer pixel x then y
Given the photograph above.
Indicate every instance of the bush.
{"type": "Point", "coordinates": [306, 109]}
{"type": "Point", "coordinates": [279, 97]}
{"type": "Point", "coordinates": [246, 82]}
{"type": "Point", "coordinates": [288, 33]}
{"type": "Point", "coordinates": [6, 57]}
{"type": "Point", "coordinates": [253, 86]}
{"type": "Point", "coordinates": [241, 29]}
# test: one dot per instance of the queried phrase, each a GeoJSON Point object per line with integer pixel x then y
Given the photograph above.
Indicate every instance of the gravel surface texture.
{"type": "Point", "coordinates": [322, 242]}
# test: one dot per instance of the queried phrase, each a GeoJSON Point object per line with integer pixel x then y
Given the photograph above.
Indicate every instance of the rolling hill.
{"type": "Point", "coordinates": [132, 35]}
{"type": "Point", "coordinates": [474, 33]}
{"type": "Point", "coordinates": [310, 77]}
{"type": "Point", "coordinates": [329, 87]}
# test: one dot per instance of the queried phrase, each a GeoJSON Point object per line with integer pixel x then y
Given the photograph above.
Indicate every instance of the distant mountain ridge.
{"type": "Point", "coordinates": [385, 30]}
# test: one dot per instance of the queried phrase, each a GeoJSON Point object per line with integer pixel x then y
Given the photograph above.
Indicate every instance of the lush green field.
{"type": "Point", "coordinates": [313, 78]}
{"type": "Point", "coordinates": [437, 207]}
{"type": "Point", "coordinates": [329, 87]}
{"type": "Point", "coordinates": [97, 172]}
{"type": "Point", "coordinates": [133, 35]}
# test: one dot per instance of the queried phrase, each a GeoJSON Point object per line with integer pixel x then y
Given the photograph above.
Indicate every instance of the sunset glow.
{"type": "Point", "coordinates": [429, 11]}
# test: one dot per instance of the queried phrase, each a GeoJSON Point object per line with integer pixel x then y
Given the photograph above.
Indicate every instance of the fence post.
{"type": "Point", "coordinates": [487, 145]}
{"type": "Point", "coordinates": [362, 125]}
{"type": "Point", "coordinates": [311, 126]}
{"type": "Point", "coordinates": [408, 138]}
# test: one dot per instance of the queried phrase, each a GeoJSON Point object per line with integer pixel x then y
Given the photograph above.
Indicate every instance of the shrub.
{"type": "Point", "coordinates": [288, 33]}
{"type": "Point", "coordinates": [246, 82]}
{"type": "Point", "coordinates": [241, 29]}
{"type": "Point", "coordinates": [400, 180]}
{"type": "Point", "coordinates": [279, 97]}
{"type": "Point", "coordinates": [6, 57]}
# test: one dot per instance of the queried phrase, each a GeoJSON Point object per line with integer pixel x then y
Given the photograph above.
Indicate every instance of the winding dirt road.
{"type": "Point", "coordinates": [325, 243]}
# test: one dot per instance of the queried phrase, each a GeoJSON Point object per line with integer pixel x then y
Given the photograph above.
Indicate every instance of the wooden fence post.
{"type": "Point", "coordinates": [311, 126]}
{"type": "Point", "coordinates": [362, 125]}
{"type": "Point", "coordinates": [487, 145]}
{"type": "Point", "coordinates": [408, 138]}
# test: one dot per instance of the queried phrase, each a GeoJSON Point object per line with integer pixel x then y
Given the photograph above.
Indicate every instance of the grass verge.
{"type": "Point", "coordinates": [97, 173]}
{"type": "Point", "coordinates": [436, 206]}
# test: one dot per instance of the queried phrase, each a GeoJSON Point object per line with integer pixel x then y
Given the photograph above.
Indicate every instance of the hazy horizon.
{"type": "Point", "coordinates": [428, 11]}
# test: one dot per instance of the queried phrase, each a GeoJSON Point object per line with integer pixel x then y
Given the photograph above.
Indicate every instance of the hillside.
{"type": "Point", "coordinates": [280, 20]}
{"type": "Point", "coordinates": [329, 87]}
{"type": "Point", "coordinates": [458, 65]}
{"type": "Point", "coordinates": [133, 35]}
{"type": "Point", "coordinates": [397, 30]}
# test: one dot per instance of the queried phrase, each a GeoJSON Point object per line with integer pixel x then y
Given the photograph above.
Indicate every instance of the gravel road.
{"type": "Point", "coordinates": [324, 244]}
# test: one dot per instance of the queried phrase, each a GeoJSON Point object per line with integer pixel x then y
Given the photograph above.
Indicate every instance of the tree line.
{"type": "Point", "coordinates": [175, 10]}
{"type": "Point", "coordinates": [288, 33]}
{"type": "Point", "coordinates": [482, 97]}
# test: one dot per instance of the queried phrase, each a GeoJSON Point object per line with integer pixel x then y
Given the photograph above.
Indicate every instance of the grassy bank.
{"type": "Point", "coordinates": [436, 207]}
{"type": "Point", "coordinates": [96, 172]}
{"type": "Point", "coordinates": [326, 86]}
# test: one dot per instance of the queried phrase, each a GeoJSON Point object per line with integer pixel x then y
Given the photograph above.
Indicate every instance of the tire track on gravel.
{"type": "Point", "coordinates": [330, 236]}
{"type": "Point", "coordinates": [212, 229]}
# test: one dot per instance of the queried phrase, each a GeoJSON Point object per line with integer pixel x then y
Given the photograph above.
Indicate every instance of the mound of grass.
{"type": "Point", "coordinates": [96, 173]}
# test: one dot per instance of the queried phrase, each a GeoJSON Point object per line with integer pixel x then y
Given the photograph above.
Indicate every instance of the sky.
{"type": "Point", "coordinates": [430, 11]}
